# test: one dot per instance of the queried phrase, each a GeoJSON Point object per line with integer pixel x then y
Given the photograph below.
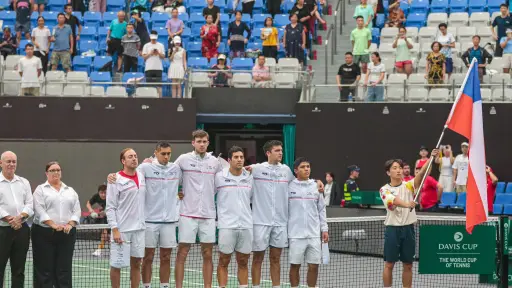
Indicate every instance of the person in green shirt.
{"type": "Point", "coordinates": [366, 11]}
{"type": "Point", "coordinates": [361, 39]}
{"type": "Point", "coordinates": [403, 45]}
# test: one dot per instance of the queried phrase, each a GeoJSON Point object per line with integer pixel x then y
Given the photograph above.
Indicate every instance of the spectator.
{"type": "Point", "coordinates": [407, 172]}
{"type": "Point", "coordinates": [269, 35]}
{"type": "Point", "coordinates": [38, 6]}
{"type": "Point", "coordinates": [131, 48]}
{"type": "Point", "coordinates": [77, 5]}
{"type": "Point", "coordinates": [153, 53]}
{"type": "Point", "coordinates": [447, 42]}
{"type": "Point", "coordinates": [366, 11]}
{"type": "Point", "coordinates": [220, 78]}
{"type": "Point", "coordinates": [75, 25]}
{"type": "Point", "coordinates": [503, 21]}
{"type": "Point", "coordinates": [236, 39]}
{"type": "Point", "coordinates": [506, 46]}
{"type": "Point", "coordinates": [482, 56]}
{"type": "Point", "coordinates": [374, 77]}
{"type": "Point", "coordinates": [436, 65]}
{"type": "Point", "coordinates": [361, 39]}
{"type": "Point", "coordinates": [178, 58]}
{"type": "Point", "coordinates": [396, 16]}
{"type": "Point", "coordinates": [261, 73]}
{"type": "Point", "coordinates": [210, 34]}
{"type": "Point", "coordinates": [158, 5]}
{"type": "Point", "coordinates": [460, 169]}
{"type": "Point", "coordinates": [247, 6]}
{"type": "Point", "coordinates": [98, 6]}
{"type": "Point", "coordinates": [332, 192]}
{"type": "Point", "coordinates": [23, 11]}
{"type": "Point", "coordinates": [423, 157]}
{"type": "Point", "coordinates": [351, 186]}
{"type": "Point", "coordinates": [139, 5]}
{"type": "Point", "coordinates": [140, 27]}
{"type": "Point", "coordinates": [430, 193]}
{"type": "Point", "coordinates": [175, 4]}
{"type": "Point", "coordinates": [445, 160]}
{"type": "Point", "coordinates": [304, 15]}
{"type": "Point", "coordinates": [403, 45]}
{"type": "Point", "coordinates": [41, 38]}
{"type": "Point", "coordinates": [174, 26]}
{"type": "Point", "coordinates": [492, 181]}
{"type": "Point", "coordinates": [274, 7]}
{"type": "Point", "coordinates": [30, 68]}
{"type": "Point", "coordinates": [348, 74]}
{"type": "Point", "coordinates": [114, 35]}
{"type": "Point", "coordinates": [313, 12]}
{"type": "Point", "coordinates": [294, 39]}
{"type": "Point", "coordinates": [99, 199]}
{"type": "Point", "coordinates": [9, 43]}
{"type": "Point", "coordinates": [63, 44]}
{"type": "Point", "coordinates": [57, 212]}
{"type": "Point", "coordinates": [214, 11]}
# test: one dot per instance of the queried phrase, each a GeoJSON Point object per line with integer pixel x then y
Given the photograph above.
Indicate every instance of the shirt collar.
{"type": "Point", "coordinates": [63, 186]}
{"type": "Point", "coordinates": [14, 179]}
{"type": "Point", "coordinates": [206, 155]}
{"type": "Point", "coordinates": [268, 165]}
{"type": "Point", "coordinates": [228, 175]}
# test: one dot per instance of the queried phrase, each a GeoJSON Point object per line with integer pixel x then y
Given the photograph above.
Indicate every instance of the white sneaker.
{"type": "Point", "coordinates": [97, 253]}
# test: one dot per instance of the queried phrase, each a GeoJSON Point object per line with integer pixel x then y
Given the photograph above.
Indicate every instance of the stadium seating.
{"type": "Point", "coordinates": [89, 33]}
{"type": "Point", "coordinates": [116, 91]}
{"type": "Point", "coordinates": [115, 5]}
{"type": "Point", "coordinates": [507, 209]}
{"type": "Point", "coordinates": [461, 201]}
{"type": "Point", "coordinates": [198, 62]}
{"type": "Point", "coordinates": [242, 64]}
{"type": "Point", "coordinates": [99, 77]}
{"type": "Point", "coordinates": [100, 61]}
{"type": "Point", "coordinates": [242, 80]}
{"type": "Point", "coordinates": [146, 92]}
{"type": "Point", "coordinates": [96, 91]}
{"type": "Point", "coordinates": [500, 200]}
{"type": "Point", "coordinates": [508, 190]}
{"type": "Point", "coordinates": [92, 19]}
{"type": "Point", "coordinates": [439, 6]}
{"type": "Point", "coordinates": [448, 199]}
{"type": "Point", "coordinates": [82, 63]}
{"type": "Point", "coordinates": [500, 187]}
{"type": "Point", "coordinates": [284, 80]}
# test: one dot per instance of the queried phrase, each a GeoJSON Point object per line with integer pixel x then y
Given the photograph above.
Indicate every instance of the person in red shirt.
{"type": "Point", "coordinates": [492, 181]}
{"type": "Point", "coordinates": [423, 157]}
{"type": "Point", "coordinates": [430, 193]}
{"type": "Point", "coordinates": [406, 171]}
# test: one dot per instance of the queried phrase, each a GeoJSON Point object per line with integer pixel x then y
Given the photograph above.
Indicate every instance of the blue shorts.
{"type": "Point", "coordinates": [449, 65]}
{"type": "Point", "coordinates": [399, 243]}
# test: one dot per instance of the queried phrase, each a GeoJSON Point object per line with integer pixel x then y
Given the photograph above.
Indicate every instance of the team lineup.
{"type": "Point", "coordinates": [259, 207]}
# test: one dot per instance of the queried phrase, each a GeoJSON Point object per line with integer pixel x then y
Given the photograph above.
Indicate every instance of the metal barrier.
{"type": "Point", "coordinates": [326, 45]}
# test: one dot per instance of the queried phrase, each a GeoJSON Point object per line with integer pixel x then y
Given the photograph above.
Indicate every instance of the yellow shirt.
{"type": "Point", "coordinates": [271, 36]}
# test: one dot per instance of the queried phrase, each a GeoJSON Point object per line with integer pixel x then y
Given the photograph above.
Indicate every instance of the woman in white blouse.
{"type": "Point", "coordinates": [57, 212]}
{"type": "Point", "coordinates": [445, 160]}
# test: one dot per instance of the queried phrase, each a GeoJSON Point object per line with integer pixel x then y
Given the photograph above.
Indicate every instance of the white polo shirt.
{"type": "Point", "coordinates": [15, 197]}
{"type": "Point", "coordinates": [59, 206]}
{"type": "Point", "coordinates": [234, 195]}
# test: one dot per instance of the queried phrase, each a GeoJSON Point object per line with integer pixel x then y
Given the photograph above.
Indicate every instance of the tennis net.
{"type": "Point", "coordinates": [356, 245]}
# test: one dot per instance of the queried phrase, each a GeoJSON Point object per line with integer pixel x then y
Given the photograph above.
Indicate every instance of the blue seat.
{"type": "Point", "coordinates": [286, 6]}
{"type": "Point", "coordinates": [81, 63]}
{"type": "Point", "coordinates": [381, 20]}
{"type": "Point", "coordinates": [9, 18]}
{"type": "Point", "coordinates": [100, 61]}
{"type": "Point", "coordinates": [508, 190]}
{"type": "Point", "coordinates": [222, 48]}
{"type": "Point", "coordinates": [108, 17]}
{"type": "Point", "coordinates": [92, 19]}
{"type": "Point", "coordinates": [102, 32]}
{"type": "Point", "coordinates": [197, 18]}
{"type": "Point", "coordinates": [221, 4]}
{"type": "Point", "coordinates": [458, 6]}
{"type": "Point", "coordinates": [242, 64]}
{"type": "Point", "coordinates": [245, 18]}
{"type": "Point", "coordinates": [439, 6]}
{"type": "Point", "coordinates": [461, 201]}
{"type": "Point", "coordinates": [213, 61]}
{"type": "Point", "coordinates": [21, 47]}
{"type": "Point", "coordinates": [100, 77]}
{"type": "Point", "coordinates": [33, 19]}
{"type": "Point", "coordinates": [448, 199]}
{"type": "Point", "coordinates": [78, 15]}
{"type": "Point", "coordinates": [224, 20]}
{"type": "Point", "coordinates": [194, 49]}
{"type": "Point", "coordinates": [281, 20]}
{"type": "Point", "coordinates": [477, 6]}
{"type": "Point", "coordinates": [502, 199]}
{"type": "Point", "coordinates": [166, 63]}
{"type": "Point", "coordinates": [259, 20]}
{"type": "Point", "coordinates": [376, 35]}
{"type": "Point", "coordinates": [258, 6]}
{"type": "Point", "coordinates": [198, 62]}
{"type": "Point", "coordinates": [507, 209]}
{"type": "Point", "coordinates": [140, 64]}
{"type": "Point", "coordinates": [183, 17]}
{"type": "Point", "coordinates": [147, 18]}
{"type": "Point", "coordinates": [56, 5]}
{"type": "Point", "coordinates": [185, 36]}
{"type": "Point", "coordinates": [195, 6]}
{"type": "Point", "coordinates": [89, 33]}
{"type": "Point", "coordinates": [255, 46]}
{"type": "Point", "coordinates": [404, 5]}
{"type": "Point", "coordinates": [163, 35]}
{"type": "Point", "coordinates": [420, 6]}
{"type": "Point", "coordinates": [500, 187]}
{"type": "Point", "coordinates": [115, 5]}
{"type": "Point", "coordinates": [130, 75]}
{"type": "Point", "coordinates": [87, 45]}
{"type": "Point", "coordinates": [159, 19]}
{"type": "Point", "coordinates": [416, 20]}
{"type": "Point", "coordinates": [497, 209]}
{"type": "Point", "coordinates": [5, 4]}
{"type": "Point", "coordinates": [50, 17]}
{"type": "Point", "coordinates": [494, 5]}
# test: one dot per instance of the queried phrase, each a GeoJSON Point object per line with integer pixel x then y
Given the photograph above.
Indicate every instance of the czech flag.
{"type": "Point", "coordinates": [466, 119]}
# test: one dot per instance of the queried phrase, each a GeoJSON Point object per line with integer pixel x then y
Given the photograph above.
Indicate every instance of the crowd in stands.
{"type": "Point", "coordinates": [161, 39]}
{"type": "Point", "coordinates": [429, 45]}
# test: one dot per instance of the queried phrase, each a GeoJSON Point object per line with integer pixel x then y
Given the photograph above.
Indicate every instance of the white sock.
{"type": "Point", "coordinates": [276, 286]}
{"type": "Point", "coordinates": [255, 286]}
{"type": "Point", "coordinates": [243, 286]}
{"type": "Point", "coordinates": [147, 285]}
{"type": "Point", "coordinates": [165, 285]}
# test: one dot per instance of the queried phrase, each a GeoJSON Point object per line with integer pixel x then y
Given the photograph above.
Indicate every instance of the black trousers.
{"type": "Point", "coordinates": [44, 60]}
{"type": "Point", "coordinates": [14, 247]}
{"type": "Point", "coordinates": [247, 7]}
{"type": "Point", "coordinates": [270, 52]}
{"type": "Point", "coordinates": [274, 7]}
{"type": "Point", "coordinates": [498, 51]}
{"type": "Point", "coordinates": [53, 256]}
{"type": "Point", "coordinates": [130, 63]}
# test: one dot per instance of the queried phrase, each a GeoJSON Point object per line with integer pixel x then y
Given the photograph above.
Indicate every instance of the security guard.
{"type": "Point", "coordinates": [351, 185]}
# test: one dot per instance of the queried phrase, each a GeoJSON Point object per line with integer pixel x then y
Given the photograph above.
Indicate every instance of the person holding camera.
{"type": "Point", "coordinates": [178, 57]}
{"type": "Point", "coordinates": [153, 53]}
{"type": "Point", "coordinates": [403, 45]}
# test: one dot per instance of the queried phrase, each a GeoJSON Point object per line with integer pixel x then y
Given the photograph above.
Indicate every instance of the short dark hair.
{"type": "Point", "coordinates": [49, 164]}
{"type": "Point", "coordinates": [299, 160]}
{"type": "Point", "coordinates": [271, 19]}
{"type": "Point", "coordinates": [434, 43]}
{"type": "Point", "coordinates": [504, 5]}
{"type": "Point", "coordinates": [359, 17]}
{"type": "Point", "coordinates": [405, 164]}
{"type": "Point", "coordinates": [200, 134]}
{"type": "Point", "coordinates": [61, 14]}
{"type": "Point", "coordinates": [130, 24]}
{"type": "Point", "coordinates": [162, 144]}
{"type": "Point", "coordinates": [29, 45]}
{"type": "Point", "coordinates": [121, 157]}
{"type": "Point", "coordinates": [68, 5]}
{"type": "Point", "coordinates": [154, 32]}
{"type": "Point", "coordinates": [377, 55]}
{"type": "Point", "coordinates": [238, 12]}
{"type": "Point", "coordinates": [349, 53]}
{"type": "Point", "coordinates": [390, 163]}
{"type": "Point", "coordinates": [234, 149]}
{"type": "Point", "coordinates": [40, 17]}
{"type": "Point", "coordinates": [259, 55]}
{"type": "Point", "coordinates": [330, 174]}
{"type": "Point", "coordinates": [102, 187]}
{"type": "Point", "coordinates": [293, 14]}
{"type": "Point", "coordinates": [477, 36]}
{"type": "Point", "coordinates": [267, 147]}
{"type": "Point", "coordinates": [442, 25]}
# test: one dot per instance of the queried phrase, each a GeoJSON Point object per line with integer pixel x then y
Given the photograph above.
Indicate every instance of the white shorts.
{"type": "Point", "coordinates": [189, 228]}
{"type": "Point", "coordinates": [136, 239]}
{"type": "Point", "coordinates": [310, 247]}
{"type": "Point", "coordinates": [274, 236]}
{"type": "Point", "coordinates": [239, 240]}
{"type": "Point", "coordinates": [161, 235]}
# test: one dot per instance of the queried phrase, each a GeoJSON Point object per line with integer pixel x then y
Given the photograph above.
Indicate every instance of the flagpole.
{"type": "Point", "coordinates": [474, 62]}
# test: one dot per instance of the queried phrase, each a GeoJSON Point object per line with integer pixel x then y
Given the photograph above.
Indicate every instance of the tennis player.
{"type": "Point", "coordinates": [125, 214]}
{"type": "Point", "coordinates": [234, 194]}
{"type": "Point", "coordinates": [270, 211]}
{"type": "Point", "coordinates": [197, 211]}
{"type": "Point", "coordinates": [307, 222]}
{"type": "Point", "coordinates": [399, 239]}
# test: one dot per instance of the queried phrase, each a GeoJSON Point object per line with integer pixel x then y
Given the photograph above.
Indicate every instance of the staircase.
{"type": "Point", "coordinates": [331, 94]}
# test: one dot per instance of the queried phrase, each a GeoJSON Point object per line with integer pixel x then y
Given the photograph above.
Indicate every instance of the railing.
{"type": "Point", "coordinates": [326, 45]}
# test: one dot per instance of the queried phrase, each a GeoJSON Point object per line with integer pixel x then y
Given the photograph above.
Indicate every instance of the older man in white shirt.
{"type": "Point", "coordinates": [16, 206]}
